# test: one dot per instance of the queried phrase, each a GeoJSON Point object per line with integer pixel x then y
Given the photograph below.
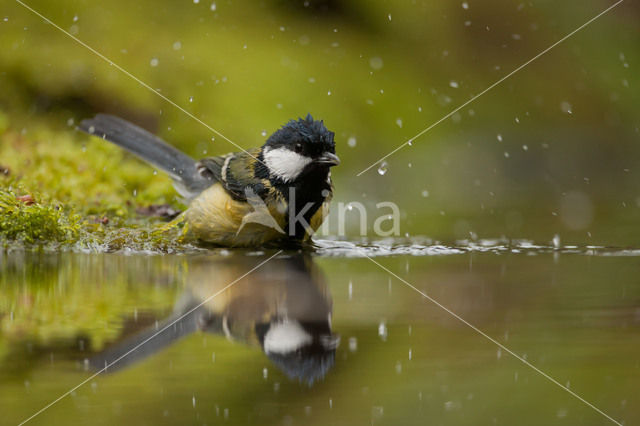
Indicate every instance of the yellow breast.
{"type": "Point", "coordinates": [215, 217]}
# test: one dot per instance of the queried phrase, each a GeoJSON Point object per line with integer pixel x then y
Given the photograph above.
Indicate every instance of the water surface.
{"type": "Point", "coordinates": [322, 338]}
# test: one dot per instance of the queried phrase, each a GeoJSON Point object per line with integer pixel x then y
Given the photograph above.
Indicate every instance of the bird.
{"type": "Point", "coordinates": [274, 195]}
{"type": "Point", "coordinates": [283, 308]}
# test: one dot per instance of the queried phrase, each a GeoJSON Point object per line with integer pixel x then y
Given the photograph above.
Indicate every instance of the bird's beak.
{"type": "Point", "coordinates": [328, 159]}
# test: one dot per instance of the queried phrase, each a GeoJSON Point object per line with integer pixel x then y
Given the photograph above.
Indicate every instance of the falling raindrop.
{"type": "Point", "coordinates": [190, 98]}
{"type": "Point", "coordinates": [153, 62]}
{"type": "Point", "coordinates": [382, 330]}
{"type": "Point", "coordinates": [425, 193]}
{"type": "Point", "coordinates": [263, 133]}
{"type": "Point", "coordinates": [376, 63]}
{"type": "Point", "coordinates": [353, 344]}
{"type": "Point", "coordinates": [351, 141]}
{"type": "Point", "coordinates": [465, 5]}
{"type": "Point", "coordinates": [382, 170]}
{"type": "Point", "coordinates": [566, 107]}
{"type": "Point", "coordinates": [453, 84]}
{"type": "Point", "coordinates": [177, 45]}
{"type": "Point", "coordinates": [399, 122]}
{"type": "Point", "coordinates": [499, 137]}
{"type": "Point", "coordinates": [556, 241]}
{"type": "Point", "coordinates": [213, 7]}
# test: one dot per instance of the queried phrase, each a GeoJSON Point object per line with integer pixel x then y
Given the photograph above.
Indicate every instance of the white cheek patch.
{"type": "Point", "coordinates": [284, 163]}
{"type": "Point", "coordinates": [286, 337]}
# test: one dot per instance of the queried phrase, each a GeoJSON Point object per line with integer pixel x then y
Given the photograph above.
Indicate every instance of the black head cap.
{"type": "Point", "coordinates": [306, 136]}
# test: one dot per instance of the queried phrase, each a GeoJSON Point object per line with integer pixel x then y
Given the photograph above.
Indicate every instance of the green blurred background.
{"type": "Point", "coordinates": [552, 150]}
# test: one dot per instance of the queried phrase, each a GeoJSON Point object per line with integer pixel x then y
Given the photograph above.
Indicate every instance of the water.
{"type": "Point", "coordinates": [375, 350]}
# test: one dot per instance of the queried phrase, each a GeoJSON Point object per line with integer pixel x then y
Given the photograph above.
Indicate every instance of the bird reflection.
{"type": "Point", "coordinates": [284, 307]}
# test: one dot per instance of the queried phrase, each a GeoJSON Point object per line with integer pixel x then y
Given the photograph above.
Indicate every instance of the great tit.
{"type": "Point", "coordinates": [276, 194]}
{"type": "Point", "coordinates": [284, 308]}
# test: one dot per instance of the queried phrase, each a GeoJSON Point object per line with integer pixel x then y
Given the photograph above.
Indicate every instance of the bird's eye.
{"type": "Point", "coordinates": [298, 148]}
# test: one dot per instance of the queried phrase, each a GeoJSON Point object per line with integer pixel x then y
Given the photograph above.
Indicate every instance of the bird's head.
{"type": "Point", "coordinates": [299, 147]}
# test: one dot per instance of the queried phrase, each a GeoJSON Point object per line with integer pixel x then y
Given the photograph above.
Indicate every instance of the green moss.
{"type": "Point", "coordinates": [32, 222]}
{"type": "Point", "coordinates": [82, 193]}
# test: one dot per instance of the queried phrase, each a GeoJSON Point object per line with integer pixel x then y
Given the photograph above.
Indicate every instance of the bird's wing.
{"type": "Point", "coordinates": [235, 171]}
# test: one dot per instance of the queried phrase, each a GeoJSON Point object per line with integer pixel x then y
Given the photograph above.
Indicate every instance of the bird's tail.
{"type": "Point", "coordinates": [152, 340]}
{"type": "Point", "coordinates": [150, 148]}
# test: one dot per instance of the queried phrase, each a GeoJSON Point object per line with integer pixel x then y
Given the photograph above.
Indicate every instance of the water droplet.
{"type": "Point", "coordinates": [399, 122]}
{"type": "Point", "coordinates": [351, 141]}
{"type": "Point", "coordinates": [353, 344]}
{"type": "Point", "coordinates": [389, 16]}
{"type": "Point", "coordinates": [453, 84]}
{"type": "Point", "coordinates": [382, 330]}
{"type": "Point", "coordinates": [193, 401]}
{"type": "Point", "coordinates": [517, 120]}
{"type": "Point", "coordinates": [566, 107]}
{"type": "Point", "coordinates": [177, 45]}
{"type": "Point", "coordinates": [92, 129]}
{"type": "Point", "coordinates": [465, 5]}
{"type": "Point", "coordinates": [75, 18]}
{"type": "Point", "coordinates": [410, 142]}
{"type": "Point", "coordinates": [382, 170]}
{"type": "Point", "coordinates": [329, 93]}
{"type": "Point", "coordinates": [506, 154]}
{"type": "Point", "coordinates": [196, 1]}
{"type": "Point", "coordinates": [213, 7]}
{"type": "Point", "coordinates": [190, 98]}
{"type": "Point", "coordinates": [376, 63]}
{"type": "Point", "coordinates": [556, 241]}
{"type": "Point", "coordinates": [499, 137]}
{"type": "Point", "coordinates": [153, 62]}
{"type": "Point", "coordinates": [265, 373]}
{"type": "Point", "coordinates": [425, 193]}
{"type": "Point", "coordinates": [263, 133]}
{"type": "Point", "coordinates": [525, 148]}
